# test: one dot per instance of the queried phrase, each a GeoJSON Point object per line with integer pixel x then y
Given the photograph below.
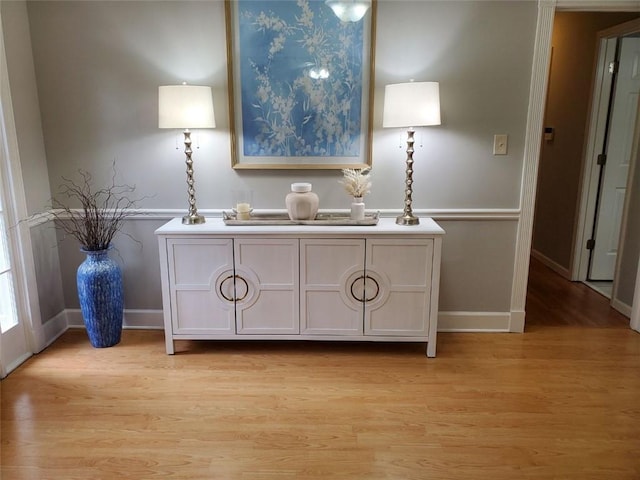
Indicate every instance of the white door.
{"type": "Point", "coordinates": [616, 170]}
{"type": "Point", "coordinates": [14, 348]}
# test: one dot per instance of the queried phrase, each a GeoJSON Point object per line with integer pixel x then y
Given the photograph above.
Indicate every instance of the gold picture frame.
{"type": "Point", "coordinates": [300, 85]}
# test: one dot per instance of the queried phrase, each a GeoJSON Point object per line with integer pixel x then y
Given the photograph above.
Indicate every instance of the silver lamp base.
{"type": "Point", "coordinates": [407, 217]}
{"type": "Point", "coordinates": [407, 220]}
{"type": "Point", "coordinates": [193, 219]}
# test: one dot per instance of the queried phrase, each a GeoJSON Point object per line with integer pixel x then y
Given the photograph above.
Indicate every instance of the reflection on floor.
{"type": "Point", "coordinates": [602, 287]}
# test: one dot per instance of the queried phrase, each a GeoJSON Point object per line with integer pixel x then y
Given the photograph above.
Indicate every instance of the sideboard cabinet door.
{"type": "Point", "coordinates": [332, 286]}
{"type": "Point", "coordinates": [398, 286]}
{"type": "Point", "coordinates": [267, 286]}
{"type": "Point", "coordinates": [201, 285]}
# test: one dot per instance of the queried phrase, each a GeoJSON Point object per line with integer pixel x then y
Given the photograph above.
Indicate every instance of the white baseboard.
{"type": "Point", "coordinates": [154, 320]}
{"type": "Point", "coordinates": [72, 318]}
{"type": "Point", "coordinates": [552, 264]}
{"type": "Point", "coordinates": [474, 321]}
{"type": "Point", "coordinates": [144, 319]}
{"type": "Point", "coordinates": [622, 307]}
{"type": "Point", "coordinates": [139, 319]}
{"type": "Point", "coordinates": [54, 327]}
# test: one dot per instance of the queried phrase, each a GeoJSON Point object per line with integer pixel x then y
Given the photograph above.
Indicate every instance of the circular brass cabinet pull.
{"type": "Point", "coordinates": [377, 288]}
{"type": "Point", "coordinates": [228, 299]}
{"type": "Point", "coordinates": [246, 290]}
{"type": "Point", "coordinates": [361, 277]}
{"type": "Point", "coordinates": [220, 289]}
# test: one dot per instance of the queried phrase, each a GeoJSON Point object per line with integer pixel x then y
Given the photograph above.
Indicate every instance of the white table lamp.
{"type": "Point", "coordinates": [412, 104]}
{"type": "Point", "coordinates": [186, 107]}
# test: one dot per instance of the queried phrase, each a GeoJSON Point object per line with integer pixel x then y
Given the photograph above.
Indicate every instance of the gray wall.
{"type": "Point", "coordinates": [98, 66]}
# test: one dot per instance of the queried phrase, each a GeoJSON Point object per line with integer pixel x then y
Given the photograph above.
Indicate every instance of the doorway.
{"type": "Point", "coordinates": [561, 230]}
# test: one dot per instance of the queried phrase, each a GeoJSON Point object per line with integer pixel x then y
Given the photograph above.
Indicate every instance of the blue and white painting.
{"type": "Point", "coordinates": [302, 80]}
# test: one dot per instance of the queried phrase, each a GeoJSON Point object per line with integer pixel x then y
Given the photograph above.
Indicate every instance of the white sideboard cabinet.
{"type": "Point", "coordinates": [304, 282]}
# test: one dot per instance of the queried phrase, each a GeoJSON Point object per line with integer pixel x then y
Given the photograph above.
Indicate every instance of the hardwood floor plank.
{"type": "Point", "coordinates": [554, 301]}
{"type": "Point", "coordinates": [560, 401]}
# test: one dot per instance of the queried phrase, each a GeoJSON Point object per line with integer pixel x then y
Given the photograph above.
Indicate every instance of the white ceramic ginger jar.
{"type": "Point", "coordinates": [301, 202]}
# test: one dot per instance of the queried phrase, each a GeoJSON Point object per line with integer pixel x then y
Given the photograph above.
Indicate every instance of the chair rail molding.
{"type": "Point", "coordinates": [512, 214]}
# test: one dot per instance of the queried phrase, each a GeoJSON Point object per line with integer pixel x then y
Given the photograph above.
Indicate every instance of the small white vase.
{"type": "Point", "coordinates": [357, 209]}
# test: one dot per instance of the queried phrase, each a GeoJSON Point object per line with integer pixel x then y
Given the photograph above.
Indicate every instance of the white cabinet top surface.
{"type": "Point", "coordinates": [216, 226]}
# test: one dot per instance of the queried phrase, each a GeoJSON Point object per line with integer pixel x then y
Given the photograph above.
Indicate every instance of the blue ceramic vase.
{"type": "Point", "coordinates": [100, 292]}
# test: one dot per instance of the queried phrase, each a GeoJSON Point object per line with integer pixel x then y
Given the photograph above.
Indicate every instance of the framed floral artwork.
{"type": "Point", "coordinates": [300, 85]}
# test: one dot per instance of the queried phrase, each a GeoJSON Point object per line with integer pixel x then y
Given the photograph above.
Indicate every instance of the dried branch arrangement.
{"type": "Point", "coordinates": [356, 182]}
{"type": "Point", "coordinates": [102, 211]}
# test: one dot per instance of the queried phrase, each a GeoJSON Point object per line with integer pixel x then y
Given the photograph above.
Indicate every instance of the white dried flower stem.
{"type": "Point", "coordinates": [356, 182]}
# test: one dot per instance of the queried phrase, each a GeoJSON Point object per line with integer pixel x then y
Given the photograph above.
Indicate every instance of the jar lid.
{"type": "Point", "coordinates": [301, 187]}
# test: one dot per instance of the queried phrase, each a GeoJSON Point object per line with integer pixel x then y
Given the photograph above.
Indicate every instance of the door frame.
{"type": "Point", "coordinates": [27, 302]}
{"type": "Point", "coordinates": [533, 138]}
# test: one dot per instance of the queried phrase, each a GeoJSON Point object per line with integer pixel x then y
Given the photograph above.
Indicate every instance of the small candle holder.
{"type": "Point", "coordinates": [242, 203]}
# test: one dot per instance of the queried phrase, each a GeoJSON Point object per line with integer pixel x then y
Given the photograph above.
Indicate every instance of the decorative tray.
{"type": "Point", "coordinates": [322, 218]}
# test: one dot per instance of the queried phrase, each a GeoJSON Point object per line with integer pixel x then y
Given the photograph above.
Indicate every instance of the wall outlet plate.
{"type": "Point", "coordinates": [500, 144]}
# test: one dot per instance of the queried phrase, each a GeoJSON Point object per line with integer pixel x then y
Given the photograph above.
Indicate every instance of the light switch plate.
{"type": "Point", "coordinates": [500, 144]}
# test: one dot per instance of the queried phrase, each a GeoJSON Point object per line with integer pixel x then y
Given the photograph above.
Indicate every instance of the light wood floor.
{"type": "Point", "coordinates": [561, 401]}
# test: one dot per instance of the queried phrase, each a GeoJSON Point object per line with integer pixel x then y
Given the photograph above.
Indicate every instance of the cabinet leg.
{"type": "Point", "coordinates": [431, 349]}
{"type": "Point", "coordinates": [169, 346]}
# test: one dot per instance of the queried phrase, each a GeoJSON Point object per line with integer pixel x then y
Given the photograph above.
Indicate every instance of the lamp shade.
{"type": "Point", "coordinates": [185, 106]}
{"type": "Point", "coordinates": [349, 10]}
{"type": "Point", "coordinates": [412, 104]}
